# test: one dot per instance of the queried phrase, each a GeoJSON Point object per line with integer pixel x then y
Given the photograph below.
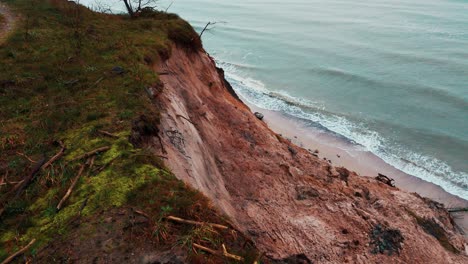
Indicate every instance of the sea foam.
{"type": "Point", "coordinates": [422, 166]}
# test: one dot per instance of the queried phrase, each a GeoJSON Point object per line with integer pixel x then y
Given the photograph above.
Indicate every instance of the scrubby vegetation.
{"type": "Point", "coordinates": [385, 240]}
{"type": "Point", "coordinates": [75, 80]}
{"type": "Point", "coordinates": [431, 227]}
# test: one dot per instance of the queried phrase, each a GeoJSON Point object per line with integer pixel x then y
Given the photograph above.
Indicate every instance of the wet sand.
{"type": "Point", "coordinates": [365, 163]}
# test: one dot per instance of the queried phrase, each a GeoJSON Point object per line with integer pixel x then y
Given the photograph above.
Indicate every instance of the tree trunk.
{"type": "Point", "coordinates": [128, 5]}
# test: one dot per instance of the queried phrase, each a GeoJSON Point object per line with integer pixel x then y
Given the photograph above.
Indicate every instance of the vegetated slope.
{"type": "Point", "coordinates": [296, 207]}
{"type": "Point", "coordinates": [73, 91]}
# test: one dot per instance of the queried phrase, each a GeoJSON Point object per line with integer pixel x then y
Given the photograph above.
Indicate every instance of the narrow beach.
{"type": "Point", "coordinates": [365, 163]}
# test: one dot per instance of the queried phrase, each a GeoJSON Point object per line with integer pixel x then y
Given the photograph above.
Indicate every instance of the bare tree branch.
{"type": "Point", "coordinates": [165, 11]}
{"type": "Point", "coordinates": [135, 7]}
{"type": "Point", "coordinates": [209, 26]}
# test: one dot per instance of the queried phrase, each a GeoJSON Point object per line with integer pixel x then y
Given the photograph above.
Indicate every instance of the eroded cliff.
{"type": "Point", "coordinates": [295, 206]}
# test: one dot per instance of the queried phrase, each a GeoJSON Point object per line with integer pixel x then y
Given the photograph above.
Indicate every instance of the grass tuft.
{"type": "Point", "coordinates": [67, 73]}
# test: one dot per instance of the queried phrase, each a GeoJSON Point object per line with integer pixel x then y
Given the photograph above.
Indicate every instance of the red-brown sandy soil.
{"type": "Point", "coordinates": [291, 203]}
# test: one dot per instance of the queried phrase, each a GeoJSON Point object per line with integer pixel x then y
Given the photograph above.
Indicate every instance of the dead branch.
{"type": "Point", "coordinates": [141, 213]}
{"type": "Point", "coordinates": [217, 253]}
{"type": "Point", "coordinates": [90, 162]}
{"type": "Point", "coordinates": [93, 152]}
{"type": "Point", "coordinates": [135, 7]}
{"type": "Point", "coordinates": [105, 133]}
{"type": "Point", "coordinates": [70, 189]}
{"type": "Point", "coordinates": [232, 256]}
{"type": "Point", "coordinates": [190, 222]}
{"type": "Point", "coordinates": [98, 81]}
{"type": "Point", "coordinates": [206, 28]}
{"type": "Point", "coordinates": [26, 157]}
{"type": "Point", "coordinates": [56, 156]}
{"type": "Point", "coordinates": [4, 182]}
{"type": "Point", "coordinates": [83, 205]}
{"type": "Point", "coordinates": [22, 185]}
{"type": "Point", "coordinates": [19, 252]}
{"type": "Point", "coordinates": [165, 11]}
{"type": "Point", "coordinates": [181, 116]}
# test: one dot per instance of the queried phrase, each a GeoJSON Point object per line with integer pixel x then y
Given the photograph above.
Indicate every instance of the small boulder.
{"type": "Point", "coordinates": [258, 115]}
{"type": "Point", "coordinates": [292, 150]}
{"type": "Point", "coordinates": [306, 193]}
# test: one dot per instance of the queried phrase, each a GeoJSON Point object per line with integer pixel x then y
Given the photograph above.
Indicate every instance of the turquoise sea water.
{"type": "Point", "coordinates": [390, 76]}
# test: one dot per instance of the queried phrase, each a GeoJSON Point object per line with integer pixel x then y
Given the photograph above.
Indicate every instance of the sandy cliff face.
{"type": "Point", "coordinates": [295, 206]}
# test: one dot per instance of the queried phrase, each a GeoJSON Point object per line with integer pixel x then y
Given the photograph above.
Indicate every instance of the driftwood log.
{"type": "Point", "coordinates": [386, 180]}
{"type": "Point", "coordinates": [457, 210]}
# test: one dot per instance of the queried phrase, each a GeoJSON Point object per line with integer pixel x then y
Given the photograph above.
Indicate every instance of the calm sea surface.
{"type": "Point", "coordinates": [390, 76]}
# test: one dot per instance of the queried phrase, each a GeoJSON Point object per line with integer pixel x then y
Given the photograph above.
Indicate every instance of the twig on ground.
{"type": "Point", "coordinates": [26, 157]}
{"type": "Point", "coordinates": [142, 213]}
{"type": "Point", "coordinates": [9, 183]}
{"type": "Point", "coordinates": [93, 152]}
{"type": "Point", "coordinates": [190, 222]}
{"type": "Point", "coordinates": [98, 81]}
{"type": "Point", "coordinates": [56, 156]}
{"type": "Point", "coordinates": [19, 252]}
{"type": "Point", "coordinates": [217, 253]}
{"type": "Point", "coordinates": [232, 256]}
{"type": "Point", "coordinates": [108, 134]}
{"type": "Point", "coordinates": [83, 205]}
{"type": "Point", "coordinates": [70, 189]}
{"type": "Point", "coordinates": [90, 162]}
{"type": "Point", "coordinates": [22, 185]}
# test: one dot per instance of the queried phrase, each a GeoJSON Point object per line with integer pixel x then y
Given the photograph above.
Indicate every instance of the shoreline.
{"type": "Point", "coordinates": [363, 162]}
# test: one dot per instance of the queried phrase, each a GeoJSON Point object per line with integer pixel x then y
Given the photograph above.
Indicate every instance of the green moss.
{"type": "Point", "coordinates": [125, 173]}
{"type": "Point", "coordinates": [57, 85]}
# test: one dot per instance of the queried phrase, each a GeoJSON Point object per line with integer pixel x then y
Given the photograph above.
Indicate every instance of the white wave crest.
{"type": "Point", "coordinates": [424, 167]}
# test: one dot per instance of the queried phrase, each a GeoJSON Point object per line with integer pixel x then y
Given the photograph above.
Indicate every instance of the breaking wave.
{"type": "Point", "coordinates": [422, 166]}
